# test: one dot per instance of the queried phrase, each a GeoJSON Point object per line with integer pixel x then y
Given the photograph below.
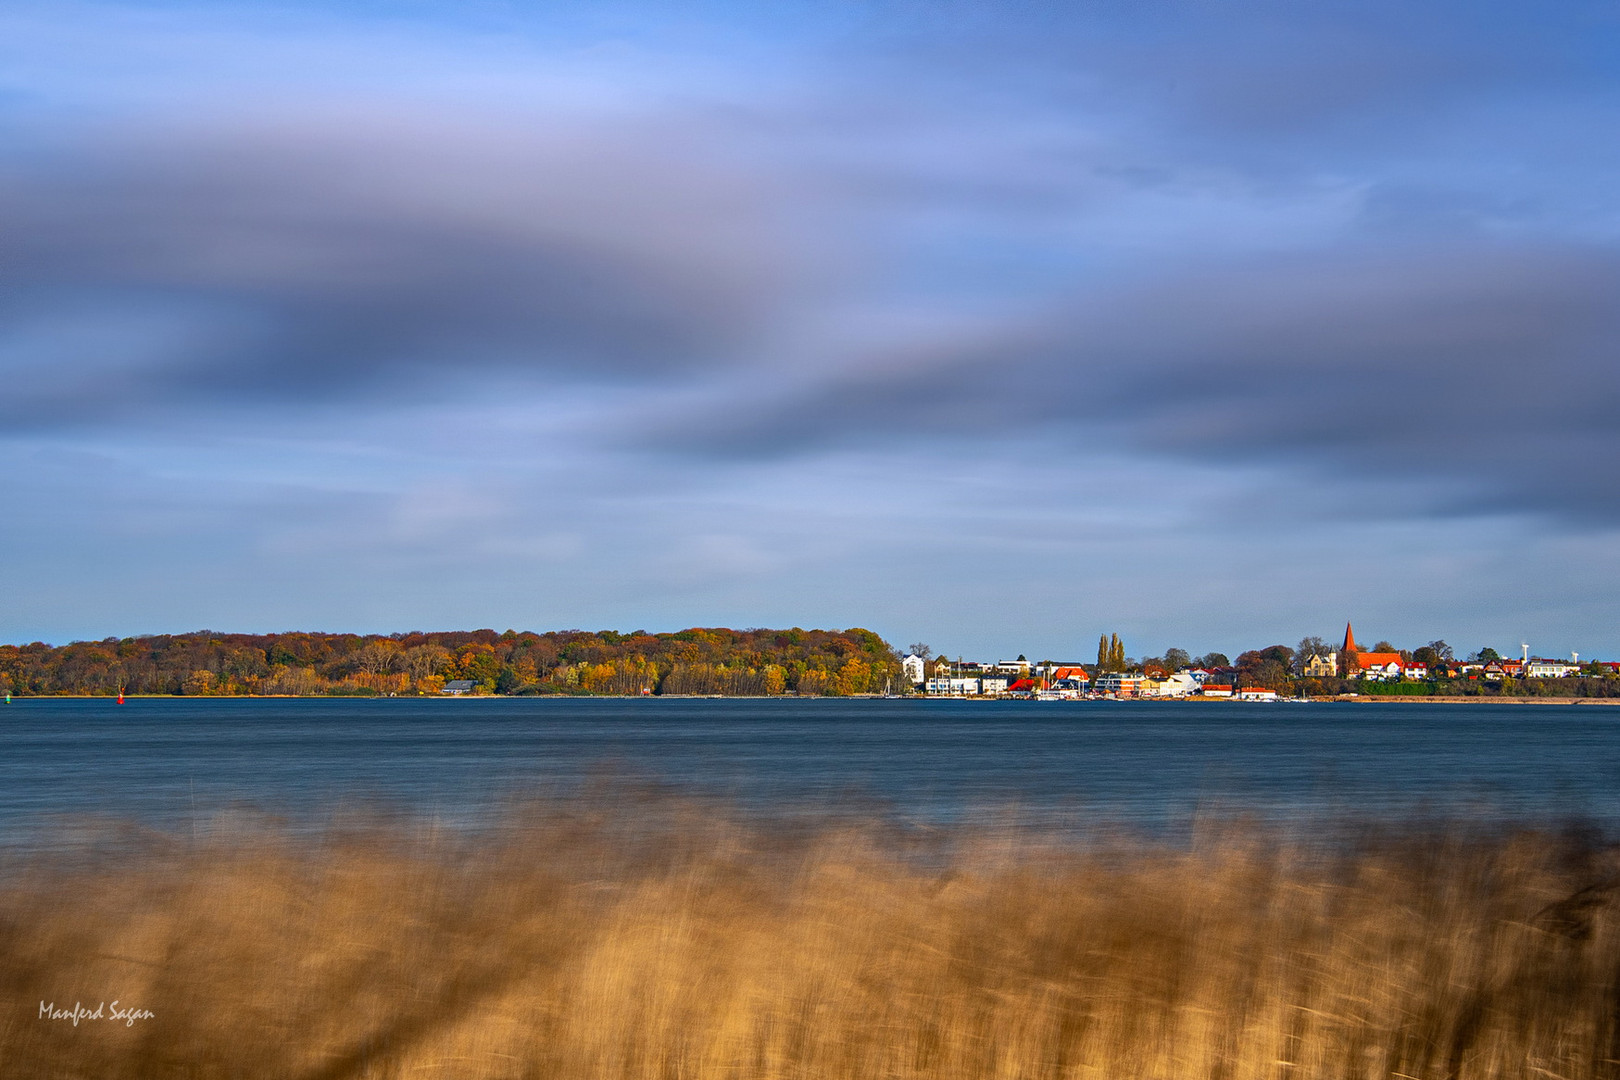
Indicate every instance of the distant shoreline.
{"type": "Point", "coordinates": [1457, 700]}
{"type": "Point", "coordinates": [1360, 699]}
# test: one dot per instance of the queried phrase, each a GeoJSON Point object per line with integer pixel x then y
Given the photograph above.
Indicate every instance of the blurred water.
{"type": "Point", "coordinates": [170, 763]}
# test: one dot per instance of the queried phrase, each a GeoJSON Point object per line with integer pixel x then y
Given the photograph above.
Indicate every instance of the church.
{"type": "Point", "coordinates": [1357, 663]}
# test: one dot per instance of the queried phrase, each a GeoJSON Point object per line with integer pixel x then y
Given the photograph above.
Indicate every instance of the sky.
{"type": "Point", "coordinates": [995, 326]}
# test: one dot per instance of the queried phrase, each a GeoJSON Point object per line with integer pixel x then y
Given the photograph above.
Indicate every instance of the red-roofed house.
{"type": "Point", "coordinates": [1374, 665]}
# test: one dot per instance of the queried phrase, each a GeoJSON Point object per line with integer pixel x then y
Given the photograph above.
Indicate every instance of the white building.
{"type": "Point", "coordinates": [916, 669]}
{"type": "Point", "coordinates": [1382, 672]}
{"type": "Point", "coordinates": [1181, 684]}
{"type": "Point", "coordinates": [1549, 669]}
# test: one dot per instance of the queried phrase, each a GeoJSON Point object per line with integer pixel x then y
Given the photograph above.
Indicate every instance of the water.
{"type": "Point", "coordinates": [170, 763]}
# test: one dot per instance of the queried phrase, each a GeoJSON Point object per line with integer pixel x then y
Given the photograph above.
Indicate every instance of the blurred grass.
{"type": "Point", "coordinates": [656, 939]}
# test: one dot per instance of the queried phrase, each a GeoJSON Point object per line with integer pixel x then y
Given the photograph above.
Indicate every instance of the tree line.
{"type": "Point", "coordinates": [694, 661]}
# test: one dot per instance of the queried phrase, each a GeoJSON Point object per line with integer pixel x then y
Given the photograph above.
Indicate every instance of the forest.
{"type": "Point", "coordinates": [694, 661]}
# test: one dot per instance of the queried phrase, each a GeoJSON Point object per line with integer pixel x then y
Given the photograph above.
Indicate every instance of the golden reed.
{"type": "Point", "coordinates": [670, 942]}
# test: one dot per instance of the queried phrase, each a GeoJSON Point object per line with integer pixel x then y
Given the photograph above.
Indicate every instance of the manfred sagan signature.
{"type": "Point", "coordinates": [102, 1011]}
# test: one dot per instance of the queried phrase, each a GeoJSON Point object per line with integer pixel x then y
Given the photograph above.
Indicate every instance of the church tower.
{"type": "Point", "coordinates": [1348, 664]}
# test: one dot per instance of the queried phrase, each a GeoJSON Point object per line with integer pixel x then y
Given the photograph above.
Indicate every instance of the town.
{"type": "Point", "coordinates": [1312, 669]}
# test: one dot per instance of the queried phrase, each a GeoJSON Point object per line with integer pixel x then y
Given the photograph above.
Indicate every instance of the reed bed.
{"type": "Point", "coordinates": [659, 940]}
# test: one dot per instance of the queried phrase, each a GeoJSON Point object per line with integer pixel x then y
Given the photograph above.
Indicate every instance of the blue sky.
{"type": "Point", "coordinates": [997, 326]}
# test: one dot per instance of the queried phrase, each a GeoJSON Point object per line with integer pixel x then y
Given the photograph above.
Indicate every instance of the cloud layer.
{"type": "Point", "coordinates": [664, 272]}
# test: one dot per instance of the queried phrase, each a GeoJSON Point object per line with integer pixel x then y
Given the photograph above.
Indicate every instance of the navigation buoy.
{"type": "Point", "coordinates": [120, 696]}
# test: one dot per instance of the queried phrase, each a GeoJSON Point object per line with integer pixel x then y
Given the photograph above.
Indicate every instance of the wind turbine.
{"type": "Point", "coordinates": [1526, 649]}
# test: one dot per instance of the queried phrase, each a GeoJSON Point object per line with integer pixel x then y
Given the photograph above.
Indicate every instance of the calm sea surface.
{"type": "Point", "coordinates": [167, 763]}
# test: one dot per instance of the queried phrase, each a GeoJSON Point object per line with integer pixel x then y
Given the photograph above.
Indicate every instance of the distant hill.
{"type": "Point", "coordinates": [695, 661]}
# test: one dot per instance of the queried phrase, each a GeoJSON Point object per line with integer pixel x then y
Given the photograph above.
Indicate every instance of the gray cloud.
{"type": "Point", "coordinates": [1487, 375]}
{"type": "Point", "coordinates": [305, 264]}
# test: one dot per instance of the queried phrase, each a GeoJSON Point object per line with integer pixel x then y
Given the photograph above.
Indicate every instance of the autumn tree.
{"type": "Point", "coordinates": [1308, 649]}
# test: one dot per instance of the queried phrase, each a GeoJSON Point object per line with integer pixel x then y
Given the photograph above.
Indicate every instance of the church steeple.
{"type": "Point", "coordinates": [1350, 645]}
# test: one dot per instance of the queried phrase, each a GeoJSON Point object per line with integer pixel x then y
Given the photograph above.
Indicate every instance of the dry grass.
{"type": "Point", "coordinates": [654, 941]}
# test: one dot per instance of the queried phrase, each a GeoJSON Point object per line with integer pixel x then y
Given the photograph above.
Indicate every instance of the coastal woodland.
{"type": "Point", "coordinates": [695, 661]}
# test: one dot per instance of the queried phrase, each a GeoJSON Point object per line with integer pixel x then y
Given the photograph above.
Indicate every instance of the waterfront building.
{"type": "Point", "coordinates": [1120, 684]}
{"type": "Point", "coordinates": [1180, 685]}
{"type": "Point", "coordinates": [916, 669]}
